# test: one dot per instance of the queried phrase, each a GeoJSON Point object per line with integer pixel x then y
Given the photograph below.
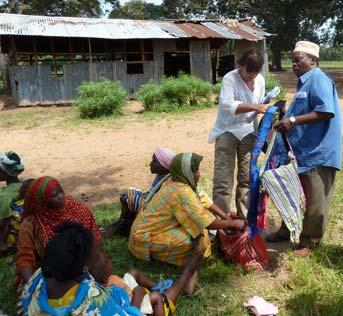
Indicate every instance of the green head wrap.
{"type": "Point", "coordinates": [182, 167]}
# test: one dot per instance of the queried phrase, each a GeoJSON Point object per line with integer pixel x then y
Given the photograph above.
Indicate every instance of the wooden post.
{"type": "Point", "coordinates": [14, 50]}
{"type": "Point", "coordinates": [34, 44]}
{"type": "Point", "coordinates": [54, 64]}
{"type": "Point", "coordinates": [142, 50]}
{"type": "Point", "coordinates": [90, 50]}
{"type": "Point", "coordinates": [70, 44]}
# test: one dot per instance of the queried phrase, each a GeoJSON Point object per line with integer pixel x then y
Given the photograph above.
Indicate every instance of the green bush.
{"type": "Point", "coordinates": [100, 98]}
{"type": "Point", "coordinates": [174, 93]}
{"type": "Point", "coordinates": [271, 82]}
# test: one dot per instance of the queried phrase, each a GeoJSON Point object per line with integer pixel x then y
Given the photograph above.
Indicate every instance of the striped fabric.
{"type": "Point", "coordinates": [242, 249]}
{"type": "Point", "coordinates": [284, 188]}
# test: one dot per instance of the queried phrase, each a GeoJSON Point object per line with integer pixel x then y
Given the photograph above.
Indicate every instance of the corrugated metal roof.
{"type": "Point", "coordinates": [30, 25]}
{"type": "Point", "coordinates": [198, 30]}
{"type": "Point", "coordinates": [235, 27]}
{"type": "Point", "coordinates": [258, 31]}
{"type": "Point", "coordinates": [222, 30]}
{"type": "Point", "coordinates": [13, 24]}
{"type": "Point", "coordinates": [172, 29]}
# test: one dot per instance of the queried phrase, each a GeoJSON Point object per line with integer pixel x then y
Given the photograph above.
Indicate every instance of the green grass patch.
{"type": "Point", "coordinates": [325, 64]}
{"type": "Point", "coordinates": [310, 286]}
{"type": "Point", "coordinates": [271, 83]}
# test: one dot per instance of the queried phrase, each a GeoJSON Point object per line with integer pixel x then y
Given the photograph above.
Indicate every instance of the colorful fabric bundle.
{"type": "Point", "coordinates": [11, 163]}
{"type": "Point", "coordinates": [240, 248]}
{"type": "Point", "coordinates": [283, 186]}
{"type": "Point", "coordinates": [257, 206]}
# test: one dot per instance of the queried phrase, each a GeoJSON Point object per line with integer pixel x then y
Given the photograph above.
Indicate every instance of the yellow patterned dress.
{"type": "Point", "coordinates": [166, 229]}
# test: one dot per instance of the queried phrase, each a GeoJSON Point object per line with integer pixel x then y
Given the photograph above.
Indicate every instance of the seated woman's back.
{"type": "Point", "coordinates": [61, 287]}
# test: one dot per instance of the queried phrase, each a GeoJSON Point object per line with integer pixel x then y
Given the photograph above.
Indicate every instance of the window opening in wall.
{"type": "Point", "coordinates": [175, 63]}
{"type": "Point", "coordinates": [135, 68]}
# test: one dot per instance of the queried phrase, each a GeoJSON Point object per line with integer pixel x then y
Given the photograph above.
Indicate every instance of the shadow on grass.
{"type": "Point", "coordinates": [329, 256]}
{"type": "Point", "coordinates": [308, 304]}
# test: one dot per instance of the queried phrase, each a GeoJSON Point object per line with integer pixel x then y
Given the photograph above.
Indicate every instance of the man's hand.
{"type": "Point", "coordinates": [284, 125]}
{"type": "Point", "coordinates": [261, 108]}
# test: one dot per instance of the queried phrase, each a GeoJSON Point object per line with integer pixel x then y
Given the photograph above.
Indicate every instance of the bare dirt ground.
{"type": "Point", "coordinates": [96, 164]}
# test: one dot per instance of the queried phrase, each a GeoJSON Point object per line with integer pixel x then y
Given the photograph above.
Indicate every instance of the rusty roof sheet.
{"type": "Point", "coordinates": [172, 29]}
{"type": "Point", "coordinates": [235, 27]}
{"type": "Point", "coordinates": [198, 30]}
{"type": "Point", "coordinates": [222, 30]}
{"type": "Point", "coordinates": [258, 31]}
{"type": "Point", "coordinates": [30, 25]}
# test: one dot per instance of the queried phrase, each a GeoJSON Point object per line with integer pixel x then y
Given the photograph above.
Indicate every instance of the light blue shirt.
{"type": "Point", "coordinates": [317, 144]}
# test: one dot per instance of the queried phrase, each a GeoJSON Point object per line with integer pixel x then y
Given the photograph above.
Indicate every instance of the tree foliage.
{"type": "Point", "coordinates": [289, 20]}
{"type": "Point", "coordinates": [188, 9]}
{"type": "Point", "coordinates": [138, 10]}
{"type": "Point", "coordinates": [82, 8]}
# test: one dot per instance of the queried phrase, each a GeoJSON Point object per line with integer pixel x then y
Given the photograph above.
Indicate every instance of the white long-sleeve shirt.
{"type": "Point", "coordinates": [234, 91]}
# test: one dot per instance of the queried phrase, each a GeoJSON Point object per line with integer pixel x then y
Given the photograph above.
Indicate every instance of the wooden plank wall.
{"type": "Point", "coordinates": [201, 59]}
{"type": "Point", "coordinates": [35, 84]}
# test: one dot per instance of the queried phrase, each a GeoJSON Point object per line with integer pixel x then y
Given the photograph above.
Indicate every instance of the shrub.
{"type": "Point", "coordinates": [272, 82]}
{"type": "Point", "coordinates": [175, 93]}
{"type": "Point", "coordinates": [100, 98]}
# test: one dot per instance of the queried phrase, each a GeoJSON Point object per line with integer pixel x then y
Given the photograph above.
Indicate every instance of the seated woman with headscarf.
{"type": "Point", "coordinates": [11, 165]}
{"type": "Point", "coordinates": [173, 221]}
{"type": "Point", "coordinates": [132, 199]}
{"type": "Point", "coordinates": [63, 287]}
{"type": "Point", "coordinates": [45, 207]}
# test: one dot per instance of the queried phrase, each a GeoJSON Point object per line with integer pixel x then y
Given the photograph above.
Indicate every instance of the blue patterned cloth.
{"type": "Point", "coordinates": [91, 299]}
{"type": "Point", "coordinates": [254, 187]}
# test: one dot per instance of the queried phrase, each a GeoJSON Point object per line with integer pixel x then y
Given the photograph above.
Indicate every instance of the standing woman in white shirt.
{"type": "Point", "coordinates": [234, 133]}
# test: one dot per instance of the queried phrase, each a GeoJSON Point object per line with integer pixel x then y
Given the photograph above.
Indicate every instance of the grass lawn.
{"type": "Point", "coordinates": [325, 64]}
{"type": "Point", "coordinates": [299, 286]}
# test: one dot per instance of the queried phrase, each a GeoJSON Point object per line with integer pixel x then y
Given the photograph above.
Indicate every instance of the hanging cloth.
{"type": "Point", "coordinates": [256, 221]}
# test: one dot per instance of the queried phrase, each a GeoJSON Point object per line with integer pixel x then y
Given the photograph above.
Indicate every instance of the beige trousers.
{"type": "Point", "coordinates": [318, 185]}
{"type": "Point", "coordinates": [227, 147]}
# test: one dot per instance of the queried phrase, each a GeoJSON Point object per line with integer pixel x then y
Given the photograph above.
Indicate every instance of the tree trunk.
{"type": "Point", "coordinates": [276, 59]}
{"type": "Point", "coordinates": [10, 6]}
{"type": "Point", "coordinates": [21, 7]}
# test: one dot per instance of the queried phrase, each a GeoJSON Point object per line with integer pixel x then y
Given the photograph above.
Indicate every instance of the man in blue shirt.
{"type": "Point", "coordinates": [313, 126]}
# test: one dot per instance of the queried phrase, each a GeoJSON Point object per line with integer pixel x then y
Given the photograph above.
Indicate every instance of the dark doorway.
{"type": "Point", "coordinates": [176, 62]}
{"type": "Point", "coordinates": [226, 64]}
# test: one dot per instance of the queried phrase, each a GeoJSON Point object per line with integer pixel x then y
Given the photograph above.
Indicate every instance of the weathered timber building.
{"type": "Point", "coordinates": [44, 59]}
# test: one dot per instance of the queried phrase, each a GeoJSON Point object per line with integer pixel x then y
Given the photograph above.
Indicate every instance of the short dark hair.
{"type": "Point", "coordinates": [67, 253]}
{"type": "Point", "coordinates": [252, 59]}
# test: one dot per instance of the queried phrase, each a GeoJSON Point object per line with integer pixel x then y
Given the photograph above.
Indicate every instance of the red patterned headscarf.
{"type": "Point", "coordinates": [36, 204]}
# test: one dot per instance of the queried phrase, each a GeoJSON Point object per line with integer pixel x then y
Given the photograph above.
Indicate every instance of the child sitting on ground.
{"type": "Point", "coordinates": [151, 297]}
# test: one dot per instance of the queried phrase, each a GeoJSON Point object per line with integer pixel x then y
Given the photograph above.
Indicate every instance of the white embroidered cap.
{"type": "Point", "coordinates": [307, 47]}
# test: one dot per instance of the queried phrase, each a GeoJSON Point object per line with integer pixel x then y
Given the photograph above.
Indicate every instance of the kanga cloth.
{"type": "Point", "coordinates": [240, 248]}
{"type": "Point", "coordinates": [170, 222]}
{"type": "Point", "coordinates": [128, 283]}
{"type": "Point", "coordinates": [283, 186]}
{"type": "Point", "coordinates": [257, 206]}
{"type": "Point", "coordinates": [135, 197]}
{"type": "Point", "coordinates": [91, 298]}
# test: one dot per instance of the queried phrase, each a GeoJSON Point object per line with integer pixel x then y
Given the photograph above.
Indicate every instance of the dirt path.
{"type": "Point", "coordinates": [95, 165]}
